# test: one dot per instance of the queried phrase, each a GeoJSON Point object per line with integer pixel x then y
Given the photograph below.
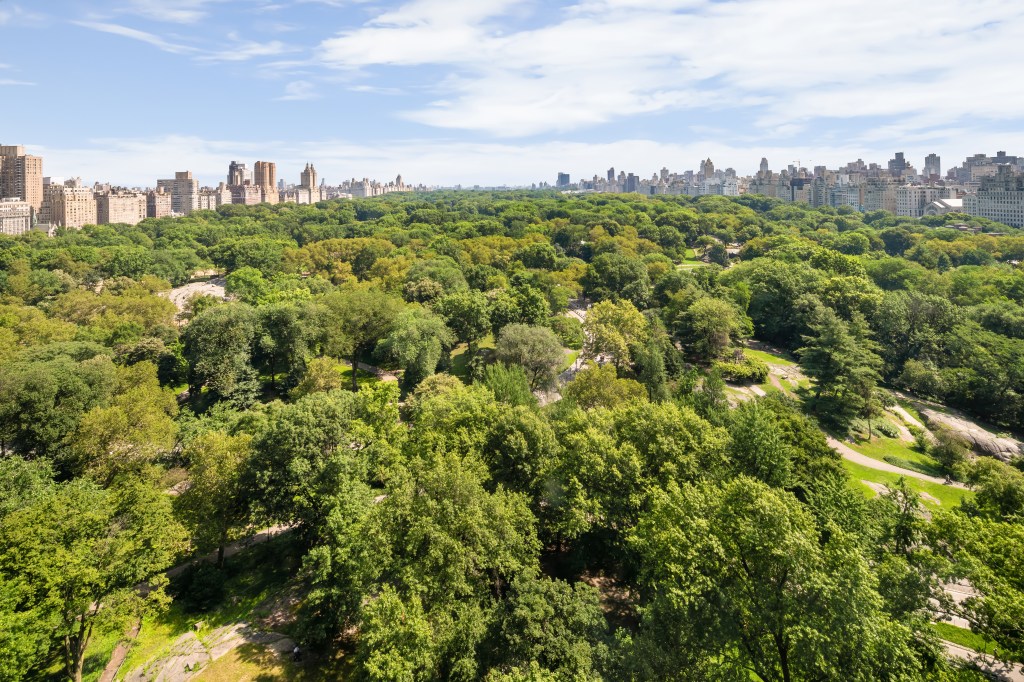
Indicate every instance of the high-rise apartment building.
{"type": "Point", "coordinates": [238, 173]}
{"type": "Point", "coordinates": [21, 175]}
{"type": "Point", "coordinates": [308, 177]}
{"type": "Point", "coordinates": [184, 190]}
{"type": "Point", "coordinates": [897, 165]}
{"type": "Point", "coordinates": [911, 200]}
{"type": "Point", "coordinates": [15, 216]}
{"type": "Point", "coordinates": [158, 203]}
{"type": "Point", "coordinates": [68, 205]}
{"type": "Point", "coordinates": [933, 165]}
{"type": "Point", "coordinates": [562, 180]}
{"type": "Point", "coordinates": [1000, 198]}
{"type": "Point", "coordinates": [266, 180]}
{"type": "Point", "coordinates": [120, 207]}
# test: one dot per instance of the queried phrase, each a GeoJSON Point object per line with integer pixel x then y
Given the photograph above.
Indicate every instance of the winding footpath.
{"type": "Point", "coordinates": [849, 453]}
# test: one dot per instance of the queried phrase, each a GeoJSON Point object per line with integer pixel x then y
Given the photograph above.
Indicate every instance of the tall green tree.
{"type": "Point", "coordinates": [76, 556]}
{"type": "Point", "coordinates": [218, 346]}
{"type": "Point", "coordinates": [416, 343]}
{"type": "Point", "coordinates": [467, 314]}
{"type": "Point", "coordinates": [361, 318]}
{"type": "Point", "coordinates": [739, 579]}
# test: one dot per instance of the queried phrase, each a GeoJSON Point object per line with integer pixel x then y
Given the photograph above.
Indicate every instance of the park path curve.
{"type": "Point", "coordinates": [849, 453]}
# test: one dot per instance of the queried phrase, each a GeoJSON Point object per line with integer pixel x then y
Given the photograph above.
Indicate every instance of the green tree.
{"type": "Point", "coordinates": [739, 579]}
{"type": "Point", "coordinates": [536, 349]}
{"type": "Point", "coordinates": [599, 386]}
{"type": "Point", "coordinates": [709, 327]}
{"type": "Point", "coordinates": [218, 347]}
{"type": "Point", "coordinates": [467, 314]}
{"type": "Point", "coordinates": [216, 504]}
{"type": "Point", "coordinates": [509, 384]}
{"type": "Point", "coordinates": [841, 358]}
{"type": "Point", "coordinates": [287, 333]}
{"type": "Point", "coordinates": [75, 557]}
{"type": "Point", "coordinates": [362, 317]}
{"type": "Point", "coordinates": [416, 343]}
{"type": "Point", "coordinates": [612, 329]}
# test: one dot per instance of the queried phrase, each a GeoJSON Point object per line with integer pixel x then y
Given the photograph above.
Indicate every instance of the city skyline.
{"type": "Point", "coordinates": [493, 92]}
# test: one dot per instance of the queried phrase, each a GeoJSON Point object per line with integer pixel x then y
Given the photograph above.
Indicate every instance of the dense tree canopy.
{"type": "Point", "coordinates": [515, 436]}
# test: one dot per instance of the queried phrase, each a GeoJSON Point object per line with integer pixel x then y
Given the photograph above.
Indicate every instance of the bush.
{"type": "Point", "coordinates": [748, 371]}
{"type": "Point", "coordinates": [887, 429]}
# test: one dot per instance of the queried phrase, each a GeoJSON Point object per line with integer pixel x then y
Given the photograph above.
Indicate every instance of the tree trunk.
{"type": "Point", "coordinates": [780, 643]}
{"type": "Point", "coordinates": [355, 369]}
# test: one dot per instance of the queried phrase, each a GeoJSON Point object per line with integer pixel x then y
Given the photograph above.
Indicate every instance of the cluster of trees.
{"type": "Point", "coordinates": [449, 526]}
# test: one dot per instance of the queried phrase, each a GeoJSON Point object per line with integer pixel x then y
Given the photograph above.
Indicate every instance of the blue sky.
{"type": "Point", "coordinates": [496, 91]}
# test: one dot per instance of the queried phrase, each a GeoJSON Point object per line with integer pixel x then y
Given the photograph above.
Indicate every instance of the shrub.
{"type": "Point", "coordinates": [887, 429]}
{"type": "Point", "coordinates": [748, 371]}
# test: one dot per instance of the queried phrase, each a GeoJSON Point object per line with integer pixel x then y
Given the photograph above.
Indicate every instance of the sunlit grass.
{"type": "Point", "coordinates": [948, 496]}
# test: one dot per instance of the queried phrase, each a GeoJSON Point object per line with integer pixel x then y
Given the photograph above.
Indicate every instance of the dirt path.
{"type": "Point", "coordinates": [849, 453]}
{"type": "Point", "coordinates": [381, 374]}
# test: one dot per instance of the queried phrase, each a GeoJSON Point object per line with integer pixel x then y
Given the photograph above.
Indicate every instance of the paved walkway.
{"type": "Point", "coordinates": [1007, 672]}
{"type": "Point", "coordinates": [849, 453]}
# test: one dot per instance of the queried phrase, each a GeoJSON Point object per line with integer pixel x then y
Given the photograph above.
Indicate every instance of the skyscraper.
{"type": "Point", "coordinates": [897, 165]}
{"type": "Point", "coordinates": [563, 180]}
{"type": "Point", "coordinates": [308, 177]}
{"type": "Point", "coordinates": [238, 173]}
{"type": "Point", "coordinates": [21, 176]}
{"type": "Point", "coordinates": [933, 165]}
{"type": "Point", "coordinates": [265, 177]}
{"type": "Point", "coordinates": [611, 174]}
{"type": "Point", "coordinates": [764, 165]}
{"type": "Point", "coordinates": [184, 190]}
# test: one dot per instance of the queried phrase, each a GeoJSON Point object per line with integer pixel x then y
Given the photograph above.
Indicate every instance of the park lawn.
{"type": "Point", "coordinates": [253, 577]}
{"type": "Point", "coordinates": [570, 358]}
{"type": "Point", "coordinates": [899, 453]}
{"type": "Point", "coordinates": [256, 663]}
{"type": "Point", "coordinates": [690, 265]}
{"type": "Point", "coordinates": [948, 497]}
{"type": "Point", "coordinates": [770, 358]}
{"type": "Point", "coordinates": [460, 357]}
{"type": "Point", "coordinates": [909, 407]}
{"type": "Point", "coordinates": [364, 378]}
{"type": "Point", "coordinates": [963, 637]}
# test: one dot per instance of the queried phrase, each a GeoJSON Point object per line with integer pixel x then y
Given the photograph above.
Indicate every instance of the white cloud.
{"type": "Point", "coordinates": [788, 61]}
{"type": "Point", "coordinates": [299, 90]}
{"type": "Point", "coordinates": [172, 11]}
{"type": "Point", "coordinates": [11, 81]}
{"type": "Point", "coordinates": [135, 34]}
{"type": "Point", "coordinates": [243, 50]}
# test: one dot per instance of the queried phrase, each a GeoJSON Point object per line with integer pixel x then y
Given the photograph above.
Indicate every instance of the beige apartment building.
{"type": "Point", "coordinates": [21, 175]}
{"type": "Point", "coordinates": [15, 217]}
{"type": "Point", "coordinates": [184, 191]}
{"type": "Point", "coordinates": [266, 179]}
{"type": "Point", "coordinates": [68, 205]}
{"type": "Point", "coordinates": [158, 204]}
{"type": "Point", "coordinates": [120, 206]}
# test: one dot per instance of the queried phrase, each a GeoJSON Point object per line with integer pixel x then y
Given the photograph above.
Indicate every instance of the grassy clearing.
{"type": "Point", "coordinates": [364, 378]}
{"type": "Point", "coordinates": [252, 663]}
{"type": "Point", "coordinates": [460, 357]}
{"type": "Point", "coordinates": [899, 453]}
{"type": "Point", "coordinates": [770, 358]}
{"type": "Point", "coordinates": [570, 358]}
{"type": "Point", "coordinates": [947, 496]}
{"type": "Point", "coordinates": [965, 638]}
{"type": "Point", "coordinates": [252, 579]}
